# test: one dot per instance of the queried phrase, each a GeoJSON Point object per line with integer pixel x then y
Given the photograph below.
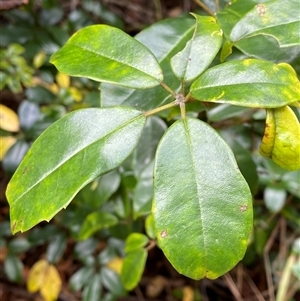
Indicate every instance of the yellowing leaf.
{"type": "Point", "coordinates": [44, 277]}
{"type": "Point", "coordinates": [9, 120]}
{"type": "Point", "coordinates": [39, 59]}
{"type": "Point", "coordinates": [188, 294]}
{"type": "Point", "coordinates": [5, 143]}
{"type": "Point", "coordinates": [63, 80]}
{"type": "Point", "coordinates": [76, 94]}
{"type": "Point", "coordinates": [281, 141]}
{"type": "Point", "coordinates": [116, 264]}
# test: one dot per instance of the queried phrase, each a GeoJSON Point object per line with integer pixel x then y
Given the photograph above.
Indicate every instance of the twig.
{"type": "Point", "coordinates": [233, 288]}
{"type": "Point", "coordinates": [204, 7]}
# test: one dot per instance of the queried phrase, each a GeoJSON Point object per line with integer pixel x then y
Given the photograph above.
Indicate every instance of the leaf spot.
{"type": "Point", "coordinates": [243, 208]}
{"type": "Point", "coordinates": [163, 234]}
{"type": "Point", "coordinates": [25, 170]}
{"type": "Point", "coordinates": [14, 226]}
{"type": "Point", "coordinates": [261, 9]}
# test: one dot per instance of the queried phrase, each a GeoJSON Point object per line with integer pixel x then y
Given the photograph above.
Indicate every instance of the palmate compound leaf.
{"type": "Point", "coordinates": [107, 54]}
{"type": "Point", "coordinates": [281, 141]}
{"type": "Point", "coordinates": [248, 83]}
{"type": "Point", "coordinates": [202, 205]}
{"type": "Point", "coordinates": [69, 154]}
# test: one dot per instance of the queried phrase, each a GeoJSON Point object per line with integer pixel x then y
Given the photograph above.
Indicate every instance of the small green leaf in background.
{"type": "Point", "coordinates": [278, 18]}
{"type": "Point", "coordinates": [80, 278]}
{"type": "Point", "coordinates": [150, 226]}
{"type": "Point", "coordinates": [80, 147]}
{"type": "Point", "coordinates": [92, 291]}
{"type": "Point", "coordinates": [135, 241]}
{"type": "Point", "coordinates": [274, 198]}
{"type": "Point", "coordinates": [281, 140]}
{"type": "Point", "coordinates": [92, 53]}
{"type": "Point", "coordinates": [133, 267]}
{"type": "Point", "coordinates": [249, 83]}
{"type": "Point", "coordinates": [96, 221]}
{"type": "Point", "coordinates": [56, 248]}
{"type": "Point", "coordinates": [200, 51]}
{"type": "Point", "coordinates": [202, 205]}
{"type": "Point", "coordinates": [13, 268]}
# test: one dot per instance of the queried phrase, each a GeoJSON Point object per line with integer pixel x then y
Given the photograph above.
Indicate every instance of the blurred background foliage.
{"type": "Point", "coordinates": [87, 243]}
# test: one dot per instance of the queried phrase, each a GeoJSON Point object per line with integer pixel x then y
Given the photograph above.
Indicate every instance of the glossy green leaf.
{"type": "Point", "coordinates": [56, 248]}
{"type": "Point", "coordinates": [96, 221]}
{"type": "Point", "coordinates": [13, 268]}
{"type": "Point", "coordinates": [73, 151]}
{"type": "Point", "coordinates": [112, 282]}
{"type": "Point", "coordinates": [281, 140]}
{"type": "Point", "coordinates": [264, 47]}
{"type": "Point", "coordinates": [92, 53]}
{"type": "Point", "coordinates": [278, 18]}
{"type": "Point", "coordinates": [249, 83]}
{"type": "Point", "coordinates": [135, 241]}
{"type": "Point", "coordinates": [133, 267]}
{"type": "Point", "coordinates": [80, 278]}
{"type": "Point", "coordinates": [202, 205]}
{"type": "Point", "coordinates": [274, 198]}
{"type": "Point", "coordinates": [99, 191]}
{"type": "Point", "coordinates": [143, 192]}
{"type": "Point", "coordinates": [150, 226]}
{"type": "Point", "coordinates": [93, 289]}
{"type": "Point", "coordinates": [171, 35]}
{"type": "Point", "coordinates": [19, 245]}
{"type": "Point", "coordinates": [200, 51]}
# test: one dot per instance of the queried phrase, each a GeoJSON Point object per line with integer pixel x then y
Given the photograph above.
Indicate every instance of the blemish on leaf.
{"type": "Point", "coordinates": [243, 208]}
{"type": "Point", "coordinates": [261, 9]}
{"type": "Point", "coordinates": [163, 234]}
{"type": "Point", "coordinates": [14, 226]}
{"type": "Point", "coordinates": [25, 170]}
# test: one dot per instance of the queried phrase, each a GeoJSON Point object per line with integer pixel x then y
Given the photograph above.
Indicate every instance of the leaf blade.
{"type": "Point", "coordinates": [195, 225]}
{"type": "Point", "coordinates": [85, 150]}
{"type": "Point", "coordinates": [249, 83]}
{"type": "Point", "coordinates": [275, 18]}
{"type": "Point", "coordinates": [92, 53]}
{"type": "Point", "coordinates": [199, 51]}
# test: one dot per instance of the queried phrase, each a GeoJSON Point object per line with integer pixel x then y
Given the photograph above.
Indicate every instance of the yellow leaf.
{"type": "Point", "coordinates": [52, 285]}
{"type": "Point", "coordinates": [63, 80]}
{"type": "Point", "coordinates": [76, 94]}
{"type": "Point", "coordinates": [9, 120]}
{"type": "Point", "coordinates": [116, 264]}
{"type": "Point", "coordinates": [39, 59]}
{"type": "Point", "coordinates": [5, 143]}
{"type": "Point", "coordinates": [44, 277]}
{"type": "Point", "coordinates": [188, 294]}
{"type": "Point", "coordinates": [281, 141]}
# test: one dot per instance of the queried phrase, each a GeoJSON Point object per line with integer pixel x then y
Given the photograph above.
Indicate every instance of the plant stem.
{"type": "Point", "coordinates": [158, 10]}
{"type": "Point", "coordinates": [204, 7]}
{"type": "Point", "coordinates": [217, 5]}
{"type": "Point", "coordinates": [159, 109]}
{"type": "Point", "coordinates": [182, 110]}
{"type": "Point", "coordinates": [164, 85]}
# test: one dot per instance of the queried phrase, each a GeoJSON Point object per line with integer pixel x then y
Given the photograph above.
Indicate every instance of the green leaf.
{"type": "Point", "coordinates": [112, 282]}
{"type": "Point", "coordinates": [261, 46]}
{"type": "Point", "coordinates": [99, 191]}
{"type": "Point", "coordinates": [80, 278]}
{"type": "Point", "coordinates": [96, 221]}
{"type": "Point", "coordinates": [171, 35]}
{"type": "Point", "coordinates": [200, 51]}
{"type": "Point", "coordinates": [249, 83]}
{"type": "Point", "coordinates": [133, 267]}
{"type": "Point", "coordinates": [93, 289]}
{"type": "Point", "coordinates": [135, 241]}
{"type": "Point", "coordinates": [13, 268]}
{"type": "Point", "coordinates": [56, 248]}
{"type": "Point", "coordinates": [274, 198]}
{"type": "Point", "coordinates": [68, 155]}
{"type": "Point", "coordinates": [202, 205]}
{"type": "Point", "coordinates": [278, 18]}
{"type": "Point", "coordinates": [107, 54]}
